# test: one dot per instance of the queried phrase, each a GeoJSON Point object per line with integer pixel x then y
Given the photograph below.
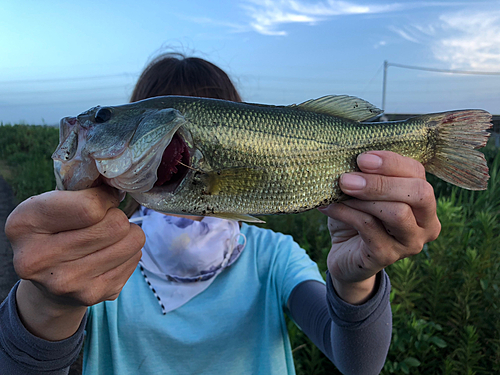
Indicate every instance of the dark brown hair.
{"type": "Point", "coordinates": [175, 74]}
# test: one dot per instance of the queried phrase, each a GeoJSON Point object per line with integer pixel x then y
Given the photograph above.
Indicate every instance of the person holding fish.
{"type": "Point", "coordinates": [194, 289]}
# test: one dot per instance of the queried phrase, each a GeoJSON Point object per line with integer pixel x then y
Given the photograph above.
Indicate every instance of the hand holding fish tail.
{"type": "Point", "coordinates": [392, 216]}
{"type": "Point", "coordinates": [71, 250]}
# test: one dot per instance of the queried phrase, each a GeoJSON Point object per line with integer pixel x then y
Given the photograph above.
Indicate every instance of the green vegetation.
{"type": "Point", "coordinates": [445, 300]}
{"type": "Point", "coordinates": [25, 161]}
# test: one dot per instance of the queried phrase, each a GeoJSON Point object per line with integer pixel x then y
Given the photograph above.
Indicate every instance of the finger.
{"type": "Point", "coordinates": [103, 261]}
{"type": "Point", "coordinates": [400, 222]}
{"type": "Point", "coordinates": [89, 291]}
{"type": "Point", "coordinates": [78, 243]}
{"type": "Point", "coordinates": [119, 275]}
{"type": "Point", "coordinates": [339, 231]}
{"type": "Point", "coordinates": [74, 272]}
{"type": "Point", "coordinates": [390, 164]}
{"type": "Point", "coordinates": [79, 264]}
{"type": "Point", "coordinates": [381, 246]}
{"type": "Point", "coordinates": [415, 192]}
{"type": "Point", "coordinates": [59, 211]}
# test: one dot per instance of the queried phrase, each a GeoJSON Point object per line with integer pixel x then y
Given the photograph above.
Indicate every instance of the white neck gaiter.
{"type": "Point", "coordinates": [182, 257]}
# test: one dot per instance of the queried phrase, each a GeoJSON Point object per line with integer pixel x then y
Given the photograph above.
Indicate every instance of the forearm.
{"type": "Point", "coordinates": [355, 338]}
{"type": "Point", "coordinates": [21, 352]}
{"type": "Point", "coordinates": [363, 332]}
{"type": "Point", "coordinates": [355, 293]}
{"type": "Point", "coordinates": [44, 318]}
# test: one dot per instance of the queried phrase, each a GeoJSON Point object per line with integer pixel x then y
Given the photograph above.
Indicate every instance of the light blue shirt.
{"type": "Point", "coordinates": [236, 326]}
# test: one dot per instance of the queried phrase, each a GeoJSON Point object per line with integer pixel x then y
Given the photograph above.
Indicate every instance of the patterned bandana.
{"type": "Point", "coordinates": [182, 257]}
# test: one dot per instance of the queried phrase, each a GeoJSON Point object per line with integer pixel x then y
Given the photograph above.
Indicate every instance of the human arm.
{"type": "Point", "coordinates": [22, 353]}
{"type": "Point", "coordinates": [71, 250]}
{"type": "Point", "coordinates": [393, 216]}
{"type": "Point", "coordinates": [355, 338]}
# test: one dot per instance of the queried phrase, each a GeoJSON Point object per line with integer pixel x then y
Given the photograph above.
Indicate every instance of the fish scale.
{"type": "Point", "coordinates": [303, 177]}
{"type": "Point", "coordinates": [252, 159]}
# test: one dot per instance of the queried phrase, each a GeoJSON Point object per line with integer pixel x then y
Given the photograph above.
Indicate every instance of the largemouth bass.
{"type": "Point", "coordinates": [194, 156]}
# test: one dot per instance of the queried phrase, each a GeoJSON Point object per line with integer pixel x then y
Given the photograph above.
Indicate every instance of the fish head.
{"type": "Point", "coordinates": [122, 146]}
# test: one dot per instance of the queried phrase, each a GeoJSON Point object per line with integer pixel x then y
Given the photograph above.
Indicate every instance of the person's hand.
{"type": "Point", "coordinates": [392, 217]}
{"type": "Point", "coordinates": [72, 249]}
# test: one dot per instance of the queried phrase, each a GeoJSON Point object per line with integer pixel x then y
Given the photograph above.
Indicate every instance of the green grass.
{"type": "Point", "coordinates": [25, 152]}
{"type": "Point", "coordinates": [445, 300]}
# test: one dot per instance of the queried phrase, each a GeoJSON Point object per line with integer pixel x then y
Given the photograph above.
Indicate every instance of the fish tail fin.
{"type": "Point", "coordinates": [457, 135]}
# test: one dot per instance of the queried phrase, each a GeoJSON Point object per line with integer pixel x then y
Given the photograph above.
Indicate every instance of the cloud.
{"type": "Point", "coordinates": [470, 40]}
{"type": "Point", "coordinates": [408, 33]}
{"type": "Point", "coordinates": [467, 40]}
{"type": "Point", "coordinates": [269, 15]}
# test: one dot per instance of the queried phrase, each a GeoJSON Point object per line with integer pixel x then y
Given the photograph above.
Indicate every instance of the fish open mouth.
{"type": "Point", "coordinates": [174, 164]}
{"type": "Point", "coordinates": [78, 170]}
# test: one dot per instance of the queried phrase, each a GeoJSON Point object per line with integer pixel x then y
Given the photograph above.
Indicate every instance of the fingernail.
{"type": "Point", "coordinates": [325, 208]}
{"type": "Point", "coordinates": [121, 195]}
{"type": "Point", "coordinates": [352, 181]}
{"type": "Point", "coordinates": [370, 161]}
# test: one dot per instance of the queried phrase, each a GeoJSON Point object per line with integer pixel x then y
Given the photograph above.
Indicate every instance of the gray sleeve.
{"type": "Point", "coordinates": [355, 338]}
{"type": "Point", "coordinates": [25, 354]}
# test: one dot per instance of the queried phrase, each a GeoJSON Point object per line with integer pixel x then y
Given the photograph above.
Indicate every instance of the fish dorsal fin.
{"type": "Point", "coordinates": [349, 107]}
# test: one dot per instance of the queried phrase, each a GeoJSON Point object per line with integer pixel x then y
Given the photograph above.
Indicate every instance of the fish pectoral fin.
{"type": "Point", "coordinates": [232, 181]}
{"type": "Point", "coordinates": [239, 217]}
{"type": "Point", "coordinates": [345, 106]}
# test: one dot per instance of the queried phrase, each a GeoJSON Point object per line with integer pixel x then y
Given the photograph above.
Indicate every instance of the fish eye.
{"type": "Point", "coordinates": [102, 115]}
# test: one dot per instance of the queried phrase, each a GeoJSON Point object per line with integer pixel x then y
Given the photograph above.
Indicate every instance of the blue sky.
{"type": "Point", "coordinates": [59, 58]}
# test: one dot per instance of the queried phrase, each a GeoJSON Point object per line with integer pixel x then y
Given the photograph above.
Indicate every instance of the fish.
{"type": "Point", "coordinates": [211, 157]}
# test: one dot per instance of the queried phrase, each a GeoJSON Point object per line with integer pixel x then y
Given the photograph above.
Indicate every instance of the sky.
{"type": "Point", "coordinates": [59, 58]}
